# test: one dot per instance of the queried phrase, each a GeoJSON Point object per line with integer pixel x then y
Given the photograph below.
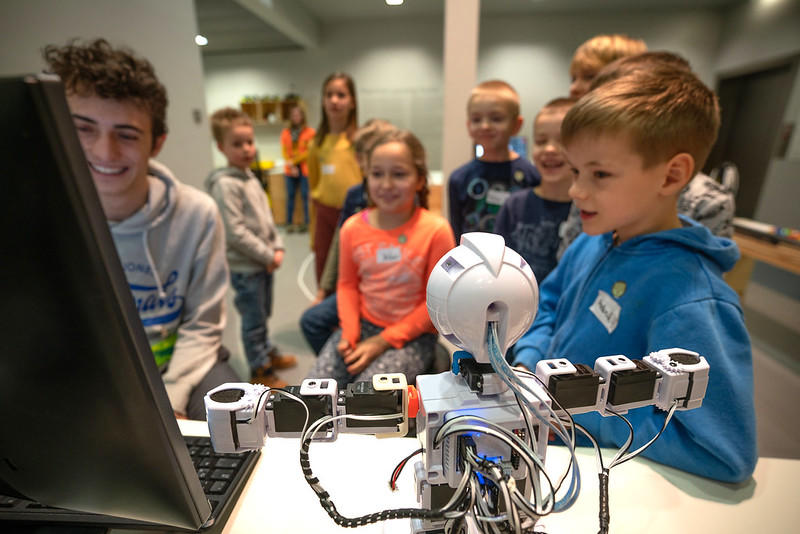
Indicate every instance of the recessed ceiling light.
{"type": "Point", "coordinates": [200, 40]}
{"type": "Point", "coordinates": [394, 2]}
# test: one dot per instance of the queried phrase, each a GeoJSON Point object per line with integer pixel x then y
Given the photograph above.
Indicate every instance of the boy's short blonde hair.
{"type": "Point", "coordinates": [224, 119]}
{"type": "Point", "coordinates": [601, 50]}
{"type": "Point", "coordinates": [497, 89]}
{"type": "Point", "coordinates": [652, 62]}
{"type": "Point", "coordinates": [665, 113]}
{"type": "Point", "coordinates": [563, 102]}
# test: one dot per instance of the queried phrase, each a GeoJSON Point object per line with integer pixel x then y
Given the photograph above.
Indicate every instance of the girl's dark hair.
{"type": "Point", "coordinates": [417, 157]}
{"type": "Point", "coordinates": [352, 121]}
{"type": "Point", "coordinates": [98, 69]}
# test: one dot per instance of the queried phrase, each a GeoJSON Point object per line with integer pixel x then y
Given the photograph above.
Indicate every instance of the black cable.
{"type": "Point", "coordinates": [605, 516]}
{"type": "Point", "coordinates": [630, 429]}
{"type": "Point", "coordinates": [268, 391]}
{"type": "Point", "coordinates": [569, 417]}
{"type": "Point", "coordinates": [342, 521]}
{"type": "Point", "coordinates": [593, 441]}
{"type": "Point", "coordinates": [653, 439]}
{"type": "Point", "coordinates": [399, 468]}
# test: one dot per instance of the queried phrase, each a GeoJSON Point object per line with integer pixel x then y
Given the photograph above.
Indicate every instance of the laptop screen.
{"type": "Point", "coordinates": [86, 422]}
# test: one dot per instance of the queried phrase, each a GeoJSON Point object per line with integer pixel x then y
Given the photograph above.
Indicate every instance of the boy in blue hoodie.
{"type": "Point", "coordinates": [642, 278]}
{"type": "Point", "coordinates": [168, 235]}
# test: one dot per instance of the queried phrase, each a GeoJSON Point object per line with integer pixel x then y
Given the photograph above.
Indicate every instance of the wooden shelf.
{"type": "Point", "coordinates": [259, 110]}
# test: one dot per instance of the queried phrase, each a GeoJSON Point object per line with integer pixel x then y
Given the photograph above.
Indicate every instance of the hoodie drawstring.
{"type": "Point", "coordinates": [161, 293]}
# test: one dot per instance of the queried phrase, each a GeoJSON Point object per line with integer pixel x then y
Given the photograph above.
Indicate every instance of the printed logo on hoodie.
{"type": "Point", "coordinates": [158, 309]}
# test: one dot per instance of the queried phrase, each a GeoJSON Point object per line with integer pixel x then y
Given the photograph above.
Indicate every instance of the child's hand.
{"type": "Point", "coordinates": [344, 348]}
{"type": "Point", "coordinates": [366, 351]}
{"type": "Point", "coordinates": [277, 259]}
{"type": "Point", "coordinates": [319, 297]}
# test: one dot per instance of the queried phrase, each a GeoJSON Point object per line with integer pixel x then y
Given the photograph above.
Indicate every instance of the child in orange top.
{"type": "Point", "coordinates": [386, 254]}
{"type": "Point", "coordinates": [295, 140]}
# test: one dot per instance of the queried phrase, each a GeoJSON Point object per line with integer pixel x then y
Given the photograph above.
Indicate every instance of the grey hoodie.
{"type": "Point", "coordinates": [173, 253]}
{"type": "Point", "coordinates": [250, 234]}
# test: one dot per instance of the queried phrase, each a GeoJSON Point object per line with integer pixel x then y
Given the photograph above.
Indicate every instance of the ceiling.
{"type": "Point", "coordinates": [240, 26]}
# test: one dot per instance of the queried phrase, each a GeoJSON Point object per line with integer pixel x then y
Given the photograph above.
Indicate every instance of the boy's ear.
{"type": "Point", "coordinates": [679, 170]}
{"type": "Point", "coordinates": [158, 145]}
{"type": "Point", "coordinates": [517, 125]}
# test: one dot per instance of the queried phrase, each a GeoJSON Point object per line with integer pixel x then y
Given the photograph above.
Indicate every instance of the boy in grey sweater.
{"type": "Point", "coordinates": [168, 235]}
{"type": "Point", "coordinates": [253, 247]}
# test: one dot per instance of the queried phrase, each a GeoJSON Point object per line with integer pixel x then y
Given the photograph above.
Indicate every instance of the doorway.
{"type": "Point", "coordinates": [753, 105]}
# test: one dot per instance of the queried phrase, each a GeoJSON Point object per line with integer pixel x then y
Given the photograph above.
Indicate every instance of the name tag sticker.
{"type": "Point", "coordinates": [497, 197]}
{"type": "Point", "coordinates": [328, 168]}
{"type": "Point", "coordinates": [607, 310]}
{"type": "Point", "coordinates": [389, 255]}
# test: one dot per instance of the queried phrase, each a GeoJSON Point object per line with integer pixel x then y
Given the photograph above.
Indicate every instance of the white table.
{"type": "Point", "coordinates": [645, 496]}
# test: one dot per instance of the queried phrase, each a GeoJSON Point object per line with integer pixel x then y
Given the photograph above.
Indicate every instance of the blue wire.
{"type": "Point", "coordinates": [502, 368]}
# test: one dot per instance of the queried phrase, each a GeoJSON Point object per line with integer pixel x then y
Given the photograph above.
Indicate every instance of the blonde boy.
{"type": "Point", "coordinates": [596, 53]}
{"type": "Point", "coordinates": [645, 279]}
{"type": "Point", "coordinates": [253, 246]}
{"type": "Point", "coordinates": [478, 189]}
{"type": "Point", "coordinates": [530, 219]}
{"type": "Point", "coordinates": [704, 199]}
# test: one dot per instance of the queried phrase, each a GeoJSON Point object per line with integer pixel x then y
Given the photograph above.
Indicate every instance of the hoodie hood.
{"type": "Point", "coordinates": [160, 203]}
{"type": "Point", "coordinates": [693, 236]}
{"type": "Point", "coordinates": [159, 206]}
{"type": "Point", "coordinates": [234, 172]}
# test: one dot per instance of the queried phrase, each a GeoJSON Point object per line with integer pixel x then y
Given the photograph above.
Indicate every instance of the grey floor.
{"type": "Point", "coordinates": [771, 319]}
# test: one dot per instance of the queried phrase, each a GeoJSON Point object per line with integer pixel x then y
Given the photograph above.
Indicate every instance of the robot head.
{"type": "Point", "coordinates": [477, 282]}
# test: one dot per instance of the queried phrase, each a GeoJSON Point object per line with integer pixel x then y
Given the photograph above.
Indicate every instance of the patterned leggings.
{"type": "Point", "coordinates": [412, 359]}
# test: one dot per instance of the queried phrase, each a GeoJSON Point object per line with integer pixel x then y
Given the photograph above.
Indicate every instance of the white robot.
{"type": "Point", "coordinates": [483, 426]}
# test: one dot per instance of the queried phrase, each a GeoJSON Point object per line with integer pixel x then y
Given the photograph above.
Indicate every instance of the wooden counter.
{"type": "Point", "coordinates": [781, 255]}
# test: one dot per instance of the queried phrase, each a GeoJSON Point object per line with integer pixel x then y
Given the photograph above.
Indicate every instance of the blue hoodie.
{"type": "Point", "coordinates": [653, 292]}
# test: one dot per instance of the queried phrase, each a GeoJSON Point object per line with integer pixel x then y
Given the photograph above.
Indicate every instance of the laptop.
{"type": "Point", "coordinates": [88, 435]}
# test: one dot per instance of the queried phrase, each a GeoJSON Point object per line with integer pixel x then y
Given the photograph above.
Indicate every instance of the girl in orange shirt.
{"type": "Point", "coordinates": [386, 255]}
{"type": "Point", "coordinates": [295, 140]}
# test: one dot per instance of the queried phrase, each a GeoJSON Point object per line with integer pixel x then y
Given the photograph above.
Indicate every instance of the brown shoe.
{"type": "Point", "coordinates": [266, 377]}
{"type": "Point", "coordinates": [283, 361]}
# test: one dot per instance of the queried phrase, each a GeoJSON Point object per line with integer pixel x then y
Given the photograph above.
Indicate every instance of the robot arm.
{"type": "Point", "coordinates": [483, 427]}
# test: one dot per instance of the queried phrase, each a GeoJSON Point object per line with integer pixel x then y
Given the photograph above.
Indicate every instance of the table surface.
{"type": "Point", "coordinates": [783, 255]}
{"type": "Point", "coordinates": [644, 496]}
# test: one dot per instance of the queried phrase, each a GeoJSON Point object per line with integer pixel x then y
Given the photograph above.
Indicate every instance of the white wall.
{"type": "Point", "coordinates": [533, 53]}
{"type": "Point", "coordinates": [161, 31]}
{"type": "Point", "coordinates": [397, 64]}
{"type": "Point", "coordinates": [397, 67]}
{"type": "Point", "coordinates": [758, 32]}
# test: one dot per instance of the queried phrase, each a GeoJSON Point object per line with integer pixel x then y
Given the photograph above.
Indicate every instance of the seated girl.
{"type": "Point", "coordinates": [386, 254]}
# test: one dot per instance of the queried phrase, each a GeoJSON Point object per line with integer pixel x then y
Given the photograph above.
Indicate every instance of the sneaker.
{"type": "Point", "coordinates": [291, 228]}
{"type": "Point", "coordinates": [266, 376]}
{"type": "Point", "coordinates": [302, 228]}
{"type": "Point", "coordinates": [283, 361]}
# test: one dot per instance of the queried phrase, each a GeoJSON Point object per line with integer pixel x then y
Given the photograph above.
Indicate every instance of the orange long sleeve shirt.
{"type": "Point", "coordinates": [296, 153]}
{"type": "Point", "coordinates": [383, 275]}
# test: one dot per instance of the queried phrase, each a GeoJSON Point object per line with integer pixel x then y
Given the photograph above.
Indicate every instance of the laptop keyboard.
{"type": "Point", "coordinates": [221, 475]}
